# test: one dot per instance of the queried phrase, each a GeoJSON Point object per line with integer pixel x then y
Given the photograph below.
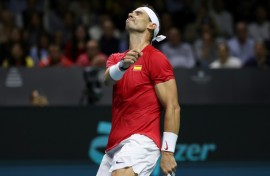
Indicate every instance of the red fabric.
{"type": "Point", "coordinates": [65, 62]}
{"type": "Point", "coordinates": [68, 51]}
{"type": "Point", "coordinates": [136, 108]}
{"type": "Point", "coordinates": [84, 61]}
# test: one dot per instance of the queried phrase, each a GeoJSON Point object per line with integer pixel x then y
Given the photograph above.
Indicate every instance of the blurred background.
{"type": "Point", "coordinates": [55, 111]}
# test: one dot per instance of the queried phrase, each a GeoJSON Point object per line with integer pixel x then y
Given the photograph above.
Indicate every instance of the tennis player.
{"type": "Point", "coordinates": [143, 85]}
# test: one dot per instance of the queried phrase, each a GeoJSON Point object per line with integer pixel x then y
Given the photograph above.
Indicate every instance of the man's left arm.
{"type": "Point", "coordinates": [168, 97]}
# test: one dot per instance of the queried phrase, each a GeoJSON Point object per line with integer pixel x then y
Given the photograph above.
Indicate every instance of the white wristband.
{"type": "Point", "coordinates": [115, 73]}
{"type": "Point", "coordinates": [169, 142]}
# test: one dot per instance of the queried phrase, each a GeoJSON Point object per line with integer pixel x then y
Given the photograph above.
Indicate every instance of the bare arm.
{"type": "Point", "coordinates": [168, 97]}
{"type": "Point", "coordinates": [130, 58]}
{"type": "Point", "coordinates": [108, 79]}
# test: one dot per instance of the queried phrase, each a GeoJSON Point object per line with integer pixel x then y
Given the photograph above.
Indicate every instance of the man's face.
{"type": "Point", "coordinates": [137, 20]}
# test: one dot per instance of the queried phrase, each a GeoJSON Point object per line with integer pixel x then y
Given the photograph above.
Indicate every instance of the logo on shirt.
{"type": "Point", "coordinates": [166, 148]}
{"type": "Point", "coordinates": [137, 68]}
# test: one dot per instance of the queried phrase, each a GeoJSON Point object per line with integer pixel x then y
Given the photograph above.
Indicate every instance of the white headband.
{"type": "Point", "coordinates": [154, 19]}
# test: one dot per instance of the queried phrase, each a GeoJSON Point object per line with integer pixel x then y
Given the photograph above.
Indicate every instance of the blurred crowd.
{"type": "Point", "coordinates": [200, 33]}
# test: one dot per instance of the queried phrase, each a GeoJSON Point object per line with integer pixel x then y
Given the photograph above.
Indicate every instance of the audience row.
{"type": "Point", "coordinates": [209, 34]}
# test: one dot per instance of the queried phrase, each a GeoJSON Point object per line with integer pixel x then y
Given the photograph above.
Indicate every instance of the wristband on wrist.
{"type": "Point", "coordinates": [115, 72]}
{"type": "Point", "coordinates": [121, 65]}
{"type": "Point", "coordinates": [169, 142]}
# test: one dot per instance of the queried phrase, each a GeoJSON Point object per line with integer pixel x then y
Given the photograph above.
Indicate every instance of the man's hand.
{"type": "Point", "coordinates": [131, 57]}
{"type": "Point", "coordinates": [168, 163]}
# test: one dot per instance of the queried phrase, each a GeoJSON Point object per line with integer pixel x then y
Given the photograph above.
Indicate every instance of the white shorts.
{"type": "Point", "coordinates": [138, 151]}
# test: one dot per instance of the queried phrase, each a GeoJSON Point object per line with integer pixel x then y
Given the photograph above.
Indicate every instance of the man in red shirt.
{"type": "Point", "coordinates": [143, 85]}
{"type": "Point", "coordinates": [55, 58]}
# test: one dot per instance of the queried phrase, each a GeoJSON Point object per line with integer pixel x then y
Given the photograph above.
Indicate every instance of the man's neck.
{"type": "Point", "coordinates": [138, 41]}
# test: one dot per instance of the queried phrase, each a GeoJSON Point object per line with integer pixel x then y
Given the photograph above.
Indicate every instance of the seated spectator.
{"type": "Point", "coordinates": [92, 57]}
{"type": "Point", "coordinates": [95, 31]}
{"type": "Point", "coordinates": [108, 42]}
{"type": "Point", "coordinates": [34, 28]}
{"type": "Point", "coordinates": [18, 58]}
{"type": "Point", "coordinates": [55, 58]}
{"type": "Point", "coordinates": [7, 23]}
{"type": "Point", "coordinates": [223, 18]}
{"type": "Point", "coordinates": [261, 58]}
{"type": "Point", "coordinates": [179, 54]}
{"type": "Point", "coordinates": [260, 29]}
{"type": "Point", "coordinates": [40, 51]}
{"type": "Point", "coordinates": [76, 46]}
{"type": "Point", "coordinates": [224, 60]}
{"type": "Point", "coordinates": [192, 30]}
{"type": "Point", "coordinates": [241, 46]}
{"type": "Point", "coordinates": [206, 46]}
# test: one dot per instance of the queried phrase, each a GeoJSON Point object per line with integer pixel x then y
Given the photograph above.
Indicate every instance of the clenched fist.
{"type": "Point", "coordinates": [131, 57]}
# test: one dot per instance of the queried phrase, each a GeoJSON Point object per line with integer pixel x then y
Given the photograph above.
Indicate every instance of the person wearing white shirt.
{"type": "Point", "coordinates": [241, 46]}
{"type": "Point", "coordinates": [223, 18]}
{"type": "Point", "coordinates": [260, 29]}
{"type": "Point", "coordinates": [179, 54]}
{"type": "Point", "coordinates": [224, 60]}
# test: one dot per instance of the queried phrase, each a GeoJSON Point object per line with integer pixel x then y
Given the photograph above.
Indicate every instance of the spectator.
{"type": "Point", "coordinates": [14, 37]}
{"type": "Point", "coordinates": [6, 25]}
{"type": "Point", "coordinates": [82, 11]}
{"type": "Point", "coordinates": [260, 29]}
{"type": "Point", "coordinates": [93, 56]}
{"type": "Point", "coordinates": [192, 31]}
{"type": "Point", "coordinates": [18, 58]}
{"type": "Point", "coordinates": [180, 54]}
{"type": "Point", "coordinates": [55, 58]}
{"type": "Point", "coordinates": [224, 60]}
{"type": "Point", "coordinates": [166, 23]}
{"type": "Point", "coordinates": [108, 42]}
{"type": "Point", "coordinates": [241, 46]}
{"type": "Point", "coordinates": [76, 46]}
{"type": "Point", "coordinates": [206, 46]}
{"type": "Point", "coordinates": [40, 51]}
{"type": "Point", "coordinates": [223, 18]}
{"type": "Point", "coordinates": [95, 31]}
{"type": "Point", "coordinates": [34, 28]}
{"type": "Point", "coordinates": [32, 7]}
{"type": "Point", "coordinates": [53, 18]}
{"type": "Point", "coordinates": [261, 58]}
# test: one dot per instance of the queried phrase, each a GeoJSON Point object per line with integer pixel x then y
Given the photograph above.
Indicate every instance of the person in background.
{"type": "Point", "coordinates": [34, 28]}
{"type": "Point", "coordinates": [40, 51]}
{"type": "Point", "coordinates": [93, 56]}
{"type": "Point", "coordinates": [193, 30]}
{"type": "Point", "coordinates": [76, 46]}
{"type": "Point", "coordinates": [241, 46]}
{"type": "Point", "coordinates": [18, 58]}
{"type": "Point", "coordinates": [261, 58]}
{"type": "Point", "coordinates": [206, 46]}
{"type": "Point", "coordinates": [223, 19]}
{"type": "Point", "coordinates": [55, 58]}
{"type": "Point", "coordinates": [260, 28]}
{"type": "Point", "coordinates": [224, 60]}
{"type": "Point", "coordinates": [108, 42]}
{"type": "Point", "coordinates": [180, 54]}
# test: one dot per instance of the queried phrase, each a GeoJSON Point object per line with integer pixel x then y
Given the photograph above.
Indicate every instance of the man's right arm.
{"type": "Point", "coordinates": [108, 81]}
{"type": "Point", "coordinates": [115, 72]}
